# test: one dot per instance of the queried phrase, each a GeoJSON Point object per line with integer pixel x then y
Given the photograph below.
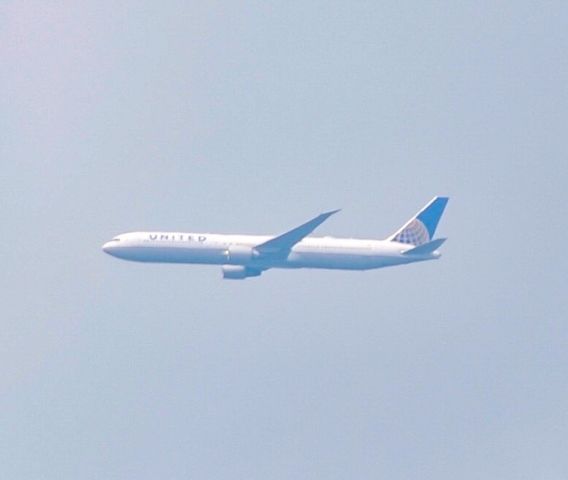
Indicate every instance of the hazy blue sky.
{"type": "Point", "coordinates": [254, 117]}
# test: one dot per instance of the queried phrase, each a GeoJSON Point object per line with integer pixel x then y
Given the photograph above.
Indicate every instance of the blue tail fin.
{"type": "Point", "coordinates": [420, 229]}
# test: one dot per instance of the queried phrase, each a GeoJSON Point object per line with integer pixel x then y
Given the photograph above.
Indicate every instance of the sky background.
{"type": "Point", "coordinates": [252, 117]}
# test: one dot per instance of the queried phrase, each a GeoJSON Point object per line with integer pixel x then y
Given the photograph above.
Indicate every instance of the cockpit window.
{"type": "Point", "coordinates": [115, 239]}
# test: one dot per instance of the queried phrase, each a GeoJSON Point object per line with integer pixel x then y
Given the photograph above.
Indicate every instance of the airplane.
{"type": "Point", "coordinates": [243, 256]}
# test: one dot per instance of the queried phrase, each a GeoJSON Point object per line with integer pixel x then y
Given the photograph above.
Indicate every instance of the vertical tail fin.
{"type": "Point", "coordinates": [420, 228]}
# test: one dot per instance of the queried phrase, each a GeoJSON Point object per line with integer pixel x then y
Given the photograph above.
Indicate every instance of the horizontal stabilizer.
{"type": "Point", "coordinates": [426, 248]}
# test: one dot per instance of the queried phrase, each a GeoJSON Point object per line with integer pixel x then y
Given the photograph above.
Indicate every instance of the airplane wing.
{"type": "Point", "coordinates": [282, 244]}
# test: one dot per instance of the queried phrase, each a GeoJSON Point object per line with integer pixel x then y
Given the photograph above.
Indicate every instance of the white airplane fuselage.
{"type": "Point", "coordinates": [244, 256]}
{"type": "Point", "coordinates": [218, 249]}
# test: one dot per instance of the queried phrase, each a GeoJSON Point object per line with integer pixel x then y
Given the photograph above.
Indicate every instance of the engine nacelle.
{"type": "Point", "coordinates": [239, 254]}
{"type": "Point", "coordinates": [238, 272]}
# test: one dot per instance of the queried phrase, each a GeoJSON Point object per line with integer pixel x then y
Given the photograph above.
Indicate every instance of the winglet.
{"type": "Point", "coordinates": [284, 243]}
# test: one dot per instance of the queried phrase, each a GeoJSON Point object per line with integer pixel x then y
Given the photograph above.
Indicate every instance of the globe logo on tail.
{"type": "Point", "coordinates": [415, 233]}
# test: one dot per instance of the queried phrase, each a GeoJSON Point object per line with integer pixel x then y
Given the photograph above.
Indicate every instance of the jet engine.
{"type": "Point", "coordinates": [239, 254]}
{"type": "Point", "coordinates": [238, 272]}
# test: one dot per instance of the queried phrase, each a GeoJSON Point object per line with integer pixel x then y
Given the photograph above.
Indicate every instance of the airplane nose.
{"type": "Point", "coordinates": [107, 247]}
